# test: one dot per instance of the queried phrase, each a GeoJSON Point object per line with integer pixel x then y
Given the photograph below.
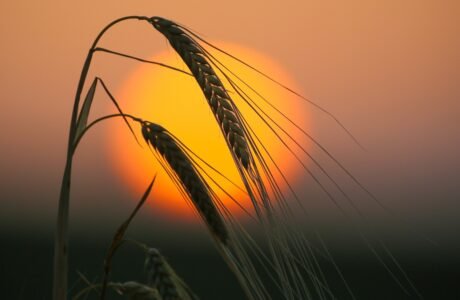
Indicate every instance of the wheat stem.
{"type": "Point", "coordinates": [61, 244]}
{"type": "Point", "coordinates": [142, 60]}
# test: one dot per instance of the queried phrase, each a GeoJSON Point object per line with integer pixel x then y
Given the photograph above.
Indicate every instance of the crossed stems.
{"type": "Point", "coordinates": [61, 248]}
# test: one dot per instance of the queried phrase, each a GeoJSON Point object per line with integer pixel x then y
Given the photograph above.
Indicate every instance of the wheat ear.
{"type": "Point", "coordinates": [220, 102]}
{"type": "Point", "coordinates": [161, 276]}
{"type": "Point", "coordinates": [192, 183]}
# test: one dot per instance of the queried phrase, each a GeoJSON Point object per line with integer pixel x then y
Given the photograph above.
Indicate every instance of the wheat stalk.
{"type": "Point", "coordinates": [184, 171]}
{"type": "Point", "coordinates": [191, 182]}
{"type": "Point", "coordinates": [237, 137]}
{"type": "Point", "coordinates": [220, 102]}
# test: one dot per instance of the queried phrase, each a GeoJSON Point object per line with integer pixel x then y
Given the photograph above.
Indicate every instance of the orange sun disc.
{"type": "Point", "coordinates": [176, 102]}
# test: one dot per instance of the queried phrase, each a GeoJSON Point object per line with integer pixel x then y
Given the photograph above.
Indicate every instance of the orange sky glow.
{"type": "Point", "coordinates": [175, 101]}
{"type": "Point", "coordinates": [388, 70]}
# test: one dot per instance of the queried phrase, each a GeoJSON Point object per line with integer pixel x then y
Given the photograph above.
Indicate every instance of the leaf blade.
{"type": "Point", "coordinates": [85, 110]}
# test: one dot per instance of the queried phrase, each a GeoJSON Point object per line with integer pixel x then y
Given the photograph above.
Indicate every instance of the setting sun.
{"type": "Point", "coordinates": [175, 101]}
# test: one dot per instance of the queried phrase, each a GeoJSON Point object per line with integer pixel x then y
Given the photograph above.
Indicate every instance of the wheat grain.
{"type": "Point", "coordinates": [220, 102]}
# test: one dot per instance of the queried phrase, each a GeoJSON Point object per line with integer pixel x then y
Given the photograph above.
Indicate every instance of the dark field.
{"type": "Point", "coordinates": [26, 270]}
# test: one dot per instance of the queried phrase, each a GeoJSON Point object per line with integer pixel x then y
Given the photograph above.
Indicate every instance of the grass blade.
{"type": "Point", "coordinates": [118, 238]}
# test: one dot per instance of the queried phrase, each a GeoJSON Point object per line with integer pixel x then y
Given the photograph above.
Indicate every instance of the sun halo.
{"type": "Point", "coordinates": [176, 102]}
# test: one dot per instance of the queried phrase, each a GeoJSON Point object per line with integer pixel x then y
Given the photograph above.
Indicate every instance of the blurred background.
{"type": "Point", "coordinates": [389, 70]}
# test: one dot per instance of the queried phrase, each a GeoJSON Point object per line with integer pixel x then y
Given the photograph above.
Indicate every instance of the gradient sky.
{"type": "Point", "coordinates": [389, 70]}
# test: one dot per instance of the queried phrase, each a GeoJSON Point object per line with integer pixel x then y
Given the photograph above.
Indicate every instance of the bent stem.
{"type": "Point", "coordinates": [61, 245]}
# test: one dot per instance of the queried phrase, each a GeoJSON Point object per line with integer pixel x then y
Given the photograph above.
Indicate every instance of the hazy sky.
{"type": "Point", "coordinates": [389, 70]}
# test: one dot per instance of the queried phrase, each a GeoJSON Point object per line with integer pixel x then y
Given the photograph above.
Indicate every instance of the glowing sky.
{"type": "Point", "coordinates": [389, 71]}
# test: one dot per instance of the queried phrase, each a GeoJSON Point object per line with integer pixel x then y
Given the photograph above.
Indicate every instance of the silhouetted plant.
{"type": "Point", "coordinates": [283, 256]}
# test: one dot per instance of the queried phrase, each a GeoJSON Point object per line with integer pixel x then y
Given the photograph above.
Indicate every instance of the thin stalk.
{"type": "Point", "coordinates": [61, 245]}
{"type": "Point", "coordinates": [99, 49]}
{"type": "Point", "coordinates": [118, 239]}
{"type": "Point", "coordinates": [78, 138]}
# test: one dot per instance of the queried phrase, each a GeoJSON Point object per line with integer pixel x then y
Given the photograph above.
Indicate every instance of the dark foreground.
{"type": "Point", "coordinates": [26, 271]}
